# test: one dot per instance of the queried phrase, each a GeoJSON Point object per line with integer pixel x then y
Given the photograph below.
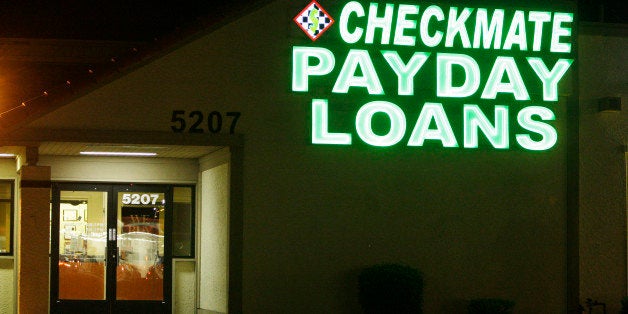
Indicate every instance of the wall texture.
{"type": "Point", "coordinates": [7, 282]}
{"type": "Point", "coordinates": [603, 68]}
{"type": "Point", "coordinates": [33, 240]}
{"type": "Point", "coordinates": [184, 286]}
{"type": "Point", "coordinates": [213, 239]}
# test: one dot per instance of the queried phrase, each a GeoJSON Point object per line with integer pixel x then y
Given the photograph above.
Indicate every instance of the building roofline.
{"type": "Point", "coordinates": [114, 67]}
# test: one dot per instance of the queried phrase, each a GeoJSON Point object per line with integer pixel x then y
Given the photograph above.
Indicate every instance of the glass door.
{"type": "Point", "coordinates": [79, 249]}
{"type": "Point", "coordinates": [140, 244]}
{"type": "Point", "coordinates": [107, 249]}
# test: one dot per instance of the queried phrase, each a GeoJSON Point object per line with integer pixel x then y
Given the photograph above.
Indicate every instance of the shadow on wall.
{"type": "Point", "coordinates": [396, 288]}
{"type": "Point", "coordinates": [391, 288]}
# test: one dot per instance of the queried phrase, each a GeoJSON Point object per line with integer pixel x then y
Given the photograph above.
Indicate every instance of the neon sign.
{"type": "Point", "coordinates": [469, 75]}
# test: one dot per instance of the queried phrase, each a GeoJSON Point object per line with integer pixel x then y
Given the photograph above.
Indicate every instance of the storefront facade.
{"type": "Point", "coordinates": [289, 160]}
{"type": "Point", "coordinates": [124, 231]}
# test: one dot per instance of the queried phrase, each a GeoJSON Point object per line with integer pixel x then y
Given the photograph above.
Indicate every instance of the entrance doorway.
{"type": "Point", "coordinates": [110, 248]}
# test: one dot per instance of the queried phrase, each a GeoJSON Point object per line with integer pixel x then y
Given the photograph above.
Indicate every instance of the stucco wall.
{"type": "Point", "coordinates": [213, 240]}
{"type": "Point", "coordinates": [107, 169]}
{"type": "Point", "coordinates": [184, 286]}
{"type": "Point", "coordinates": [7, 282]}
{"type": "Point", "coordinates": [603, 68]}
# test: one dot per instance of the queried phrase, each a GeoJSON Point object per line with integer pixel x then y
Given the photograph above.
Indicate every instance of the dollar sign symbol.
{"type": "Point", "coordinates": [314, 18]}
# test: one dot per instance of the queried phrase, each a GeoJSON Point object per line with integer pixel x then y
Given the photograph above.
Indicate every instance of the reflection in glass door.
{"type": "Point", "coordinates": [140, 240]}
{"type": "Point", "coordinates": [108, 252]}
{"type": "Point", "coordinates": [82, 245]}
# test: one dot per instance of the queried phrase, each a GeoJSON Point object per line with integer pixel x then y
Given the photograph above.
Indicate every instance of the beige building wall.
{"type": "Point", "coordinates": [113, 169]}
{"type": "Point", "coordinates": [8, 272]}
{"type": "Point", "coordinates": [184, 286]}
{"type": "Point", "coordinates": [213, 240]}
{"type": "Point", "coordinates": [7, 282]}
{"type": "Point", "coordinates": [33, 269]}
{"type": "Point", "coordinates": [603, 138]}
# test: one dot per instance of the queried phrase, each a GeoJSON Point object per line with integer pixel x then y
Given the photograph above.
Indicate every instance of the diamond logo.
{"type": "Point", "coordinates": [313, 20]}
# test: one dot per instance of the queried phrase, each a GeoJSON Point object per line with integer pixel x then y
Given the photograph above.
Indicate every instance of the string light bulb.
{"type": "Point", "coordinates": [68, 84]}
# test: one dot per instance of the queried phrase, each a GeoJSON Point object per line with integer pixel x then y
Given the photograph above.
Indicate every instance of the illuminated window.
{"type": "Point", "coordinates": [6, 217]}
{"type": "Point", "coordinates": [183, 222]}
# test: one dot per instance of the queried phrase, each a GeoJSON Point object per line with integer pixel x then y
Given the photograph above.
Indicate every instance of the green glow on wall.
{"type": "Point", "coordinates": [495, 84]}
{"type": "Point", "coordinates": [443, 132]}
{"type": "Point", "coordinates": [301, 69]}
{"type": "Point", "coordinates": [549, 78]}
{"type": "Point", "coordinates": [320, 123]}
{"type": "Point", "coordinates": [363, 123]}
{"type": "Point", "coordinates": [347, 77]}
{"type": "Point", "coordinates": [475, 119]}
{"type": "Point", "coordinates": [444, 75]}
{"type": "Point", "coordinates": [549, 137]}
{"type": "Point", "coordinates": [405, 72]}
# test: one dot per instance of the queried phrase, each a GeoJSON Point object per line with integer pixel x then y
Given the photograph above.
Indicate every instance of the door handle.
{"type": "Point", "coordinates": [112, 234]}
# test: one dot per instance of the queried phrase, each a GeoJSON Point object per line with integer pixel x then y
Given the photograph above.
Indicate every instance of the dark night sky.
{"type": "Point", "coordinates": [144, 20]}
{"type": "Point", "coordinates": [102, 20]}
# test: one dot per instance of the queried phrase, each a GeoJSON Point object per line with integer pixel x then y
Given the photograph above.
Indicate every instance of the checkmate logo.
{"type": "Point", "coordinates": [427, 74]}
{"type": "Point", "coordinates": [313, 20]}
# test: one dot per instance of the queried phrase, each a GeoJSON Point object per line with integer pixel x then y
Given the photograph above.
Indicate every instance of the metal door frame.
{"type": "Point", "coordinates": [110, 304]}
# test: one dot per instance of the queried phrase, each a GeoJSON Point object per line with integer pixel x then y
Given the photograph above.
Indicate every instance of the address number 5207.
{"type": "Point", "coordinates": [139, 199]}
{"type": "Point", "coordinates": [198, 122]}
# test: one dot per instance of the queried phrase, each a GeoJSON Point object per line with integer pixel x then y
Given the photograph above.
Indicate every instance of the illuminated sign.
{"type": "Point", "coordinates": [417, 75]}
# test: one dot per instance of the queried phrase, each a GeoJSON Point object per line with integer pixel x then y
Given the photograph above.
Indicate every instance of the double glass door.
{"type": "Point", "coordinates": [108, 248]}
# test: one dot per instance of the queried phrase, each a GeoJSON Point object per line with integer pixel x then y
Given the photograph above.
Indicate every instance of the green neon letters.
{"type": "Point", "coordinates": [443, 131]}
{"type": "Point", "coordinates": [547, 132]}
{"type": "Point", "coordinates": [363, 123]}
{"type": "Point", "coordinates": [475, 122]}
{"type": "Point", "coordinates": [515, 86]}
{"type": "Point", "coordinates": [320, 122]}
{"type": "Point", "coordinates": [301, 73]}
{"type": "Point", "coordinates": [358, 60]}
{"type": "Point", "coordinates": [493, 71]}
{"type": "Point", "coordinates": [460, 27]}
{"type": "Point", "coordinates": [347, 77]}
{"type": "Point", "coordinates": [431, 12]}
{"type": "Point", "coordinates": [405, 71]}
{"type": "Point", "coordinates": [444, 75]}
{"type": "Point", "coordinates": [549, 78]}
{"type": "Point", "coordinates": [488, 33]}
